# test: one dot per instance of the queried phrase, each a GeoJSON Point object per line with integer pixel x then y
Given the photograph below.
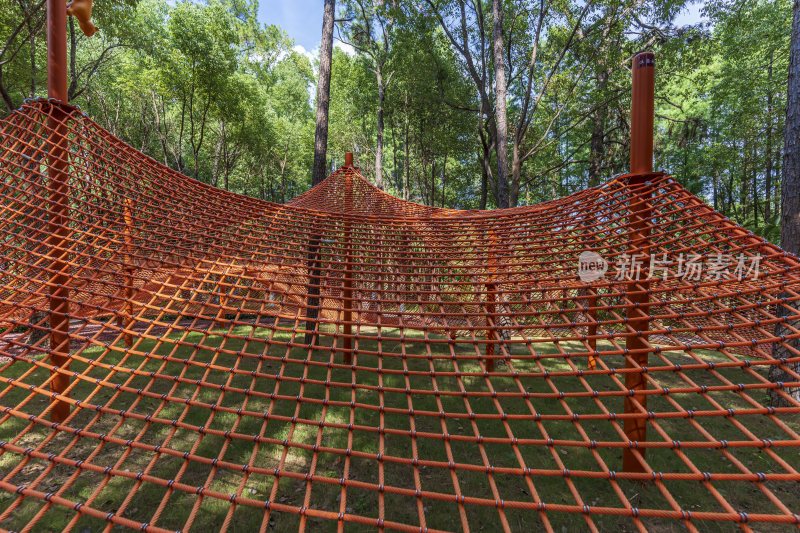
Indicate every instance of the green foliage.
{"type": "Point", "coordinates": [203, 87]}
{"type": "Point", "coordinates": [723, 110]}
{"type": "Point", "coordinates": [208, 90]}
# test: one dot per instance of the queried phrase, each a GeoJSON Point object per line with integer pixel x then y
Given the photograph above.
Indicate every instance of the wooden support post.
{"type": "Point", "coordinates": [347, 283]}
{"type": "Point", "coordinates": [59, 210]}
{"type": "Point", "coordinates": [638, 316]}
{"type": "Point", "coordinates": [129, 271]}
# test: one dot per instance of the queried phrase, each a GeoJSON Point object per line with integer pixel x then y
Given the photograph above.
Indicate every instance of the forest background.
{"type": "Point", "coordinates": [214, 91]}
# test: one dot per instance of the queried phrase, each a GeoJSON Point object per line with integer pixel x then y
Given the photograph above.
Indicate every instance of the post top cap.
{"type": "Point", "coordinates": [644, 59]}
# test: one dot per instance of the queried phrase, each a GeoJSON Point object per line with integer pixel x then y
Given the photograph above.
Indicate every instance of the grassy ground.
{"type": "Point", "coordinates": [172, 509]}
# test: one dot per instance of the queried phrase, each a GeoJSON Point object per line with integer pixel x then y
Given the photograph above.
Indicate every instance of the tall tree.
{"type": "Point", "coordinates": [369, 30]}
{"type": "Point", "coordinates": [465, 25]}
{"type": "Point", "coordinates": [790, 198]}
{"type": "Point", "coordinates": [501, 115]}
{"type": "Point", "coordinates": [790, 201]}
{"type": "Point", "coordinates": [323, 94]}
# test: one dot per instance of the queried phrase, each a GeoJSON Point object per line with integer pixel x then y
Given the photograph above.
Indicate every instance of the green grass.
{"type": "Point", "coordinates": [210, 514]}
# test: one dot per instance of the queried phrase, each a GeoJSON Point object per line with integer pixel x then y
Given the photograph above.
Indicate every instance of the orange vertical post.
{"type": "Point", "coordinates": [591, 314]}
{"type": "Point", "coordinates": [642, 113]}
{"type": "Point", "coordinates": [490, 303]}
{"type": "Point", "coordinates": [129, 270]}
{"type": "Point", "coordinates": [591, 329]}
{"type": "Point", "coordinates": [59, 211]}
{"type": "Point", "coordinates": [347, 283]}
{"type": "Point", "coordinates": [57, 50]}
{"type": "Point", "coordinates": [490, 331]}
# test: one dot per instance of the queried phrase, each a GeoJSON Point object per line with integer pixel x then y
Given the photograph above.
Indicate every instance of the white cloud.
{"type": "Point", "coordinates": [314, 54]}
{"type": "Point", "coordinates": [344, 47]}
{"type": "Point", "coordinates": [300, 49]}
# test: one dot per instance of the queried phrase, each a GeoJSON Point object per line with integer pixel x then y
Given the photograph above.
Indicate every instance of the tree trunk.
{"type": "Point", "coordinates": [444, 178]}
{"type": "Point", "coordinates": [161, 138]}
{"type": "Point", "coordinates": [768, 165]}
{"type": "Point", "coordinates": [596, 148]}
{"type": "Point", "coordinates": [283, 172]}
{"type": "Point", "coordinates": [790, 212]}
{"type": "Point", "coordinates": [218, 155]}
{"type": "Point", "coordinates": [422, 178]}
{"type": "Point", "coordinates": [144, 124]}
{"type": "Point", "coordinates": [406, 162]}
{"type": "Point", "coordinates": [379, 146]}
{"type": "Point", "coordinates": [39, 318]}
{"type": "Point", "coordinates": [730, 209]}
{"type": "Point", "coordinates": [501, 117]}
{"type": "Point", "coordinates": [516, 174]}
{"type": "Point", "coordinates": [432, 200]}
{"type": "Point", "coordinates": [4, 94]}
{"type": "Point", "coordinates": [395, 176]}
{"type": "Point", "coordinates": [323, 94]}
{"type": "Point", "coordinates": [484, 183]}
{"type": "Point", "coordinates": [178, 152]}
{"type": "Point", "coordinates": [754, 184]}
{"type": "Point", "coordinates": [73, 60]}
{"type": "Point", "coordinates": [33, 62]}
{"type": "Point", "coordinates": [487, 133]}
{"type": "Point", "coordinates": [199, 143]}
{"type": "Point", "coordinates": [715, 185]}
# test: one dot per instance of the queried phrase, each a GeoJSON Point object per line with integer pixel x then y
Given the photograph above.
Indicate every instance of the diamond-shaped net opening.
{"type": "Point", "coordinates": [175, 356]}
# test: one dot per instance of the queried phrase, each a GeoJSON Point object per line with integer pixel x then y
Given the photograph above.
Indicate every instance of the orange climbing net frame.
{"type": "Point", "coordinates": [457, 374]}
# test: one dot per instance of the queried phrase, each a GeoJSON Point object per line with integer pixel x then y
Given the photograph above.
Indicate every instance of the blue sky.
{"type": "Point", "coordinates": [689, 15]}
{"type": "Point", "coordinates": [302, 19]}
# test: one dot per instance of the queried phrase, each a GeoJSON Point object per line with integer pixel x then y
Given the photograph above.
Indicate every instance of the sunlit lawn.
{"type": "Point", "coordinates": [171, 508]}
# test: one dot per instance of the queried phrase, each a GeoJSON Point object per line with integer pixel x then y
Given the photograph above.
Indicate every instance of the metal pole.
{"type": "Point", "coordinates": [347, 283]}
{"type": "Point", "coordinates": [491, 288]}
{"type": "Point", "coordinates": [129, 271]}
{"type": "Point", "coordinates": [591, 330]}
{"type": "Point", "coordinates": [58, 191]}
{"type": "Point", "coordinates": [57, 49]}
{"type": "Point", "coordinates": [642, 112]}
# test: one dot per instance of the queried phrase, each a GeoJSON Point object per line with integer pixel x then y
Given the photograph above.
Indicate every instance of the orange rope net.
{"type": "Point", "coordinates": [177, 356]}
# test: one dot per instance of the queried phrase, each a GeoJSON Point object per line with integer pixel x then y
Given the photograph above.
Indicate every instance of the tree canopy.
{"type": "Point", "coordinates": [211, 91]}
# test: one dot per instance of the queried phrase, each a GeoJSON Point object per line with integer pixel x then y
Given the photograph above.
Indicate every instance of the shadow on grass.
{"type": "Point", "coordinates": [149, 502]}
